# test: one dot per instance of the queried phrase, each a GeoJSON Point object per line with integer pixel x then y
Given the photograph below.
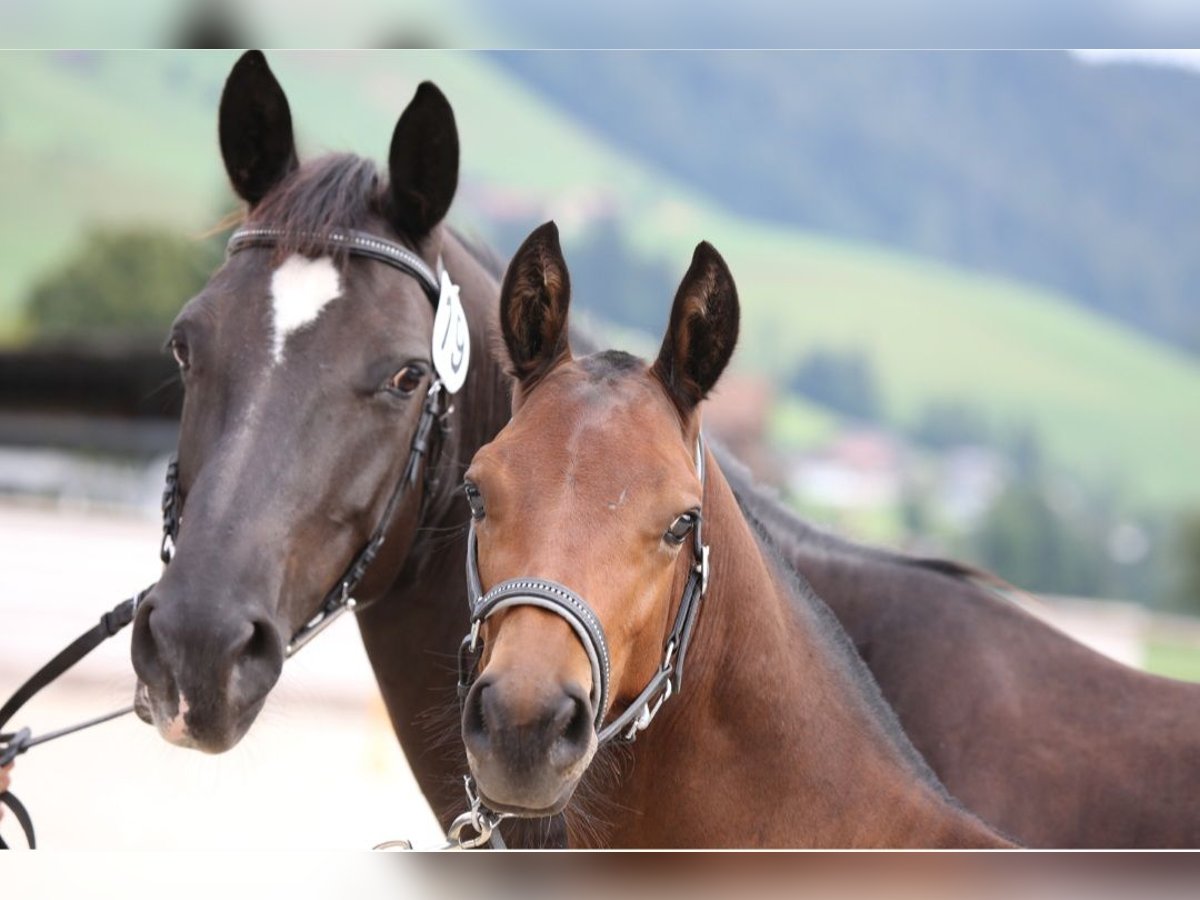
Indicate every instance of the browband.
{"type": "Point", "coordinates": [359, 243]}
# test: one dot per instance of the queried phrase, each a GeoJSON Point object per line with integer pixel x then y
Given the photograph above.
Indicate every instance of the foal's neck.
{"type": "Point", "coordinates": [778, 737]}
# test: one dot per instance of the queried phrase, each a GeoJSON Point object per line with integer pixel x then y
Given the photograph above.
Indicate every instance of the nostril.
{"type": "Point", "coordinates": [147, 647]}
{"type": "Point", "coordinates": [262, 641]}
{"type": "Point", "coordinates": [572, 729]}
{"type": "Point", "coordinates": [476, 725]}
{"type": "Point", "coordinates": [255, 662]}
{"type": "Point", "coordinates": [579, 728]}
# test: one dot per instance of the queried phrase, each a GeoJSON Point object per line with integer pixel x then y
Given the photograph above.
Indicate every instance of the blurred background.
{"type": "Point", "coordinates": [971, 327]}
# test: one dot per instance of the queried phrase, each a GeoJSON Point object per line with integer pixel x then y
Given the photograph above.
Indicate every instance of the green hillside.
{"type": "Point", "coordinates": [133, 136]}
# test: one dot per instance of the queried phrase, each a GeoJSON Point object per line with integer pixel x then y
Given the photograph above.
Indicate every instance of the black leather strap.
{"type": "Point", "coordinates": [358, 243]}
{"type": "Point", "coordinates": [110, 623]}
{"type": "Point", "coordinates": [341, 596]}
{"type": "Point", "coordinates": [13, 744]}
{"type": "Point", "coordinates": [556, 598]}
{"type": "Point", "coordinates": [23, 819]}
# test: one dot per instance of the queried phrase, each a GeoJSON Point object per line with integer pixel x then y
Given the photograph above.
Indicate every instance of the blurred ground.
{"type": "Point", "coordinates": [319, 770]}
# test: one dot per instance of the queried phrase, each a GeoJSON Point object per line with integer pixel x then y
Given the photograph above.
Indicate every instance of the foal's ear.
{"type": "Point", "coordinates": [255, 127]}
{"type": "Point", "coordinates": [423, 162]}
{"type": "Point", "coordinates": [703, 330]}
{"type": "Point", "coordinates": [533, 306]}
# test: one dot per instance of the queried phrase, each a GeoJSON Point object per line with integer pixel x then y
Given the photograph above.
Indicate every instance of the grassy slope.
{"type": "Point", "coordinates": [134, 137]}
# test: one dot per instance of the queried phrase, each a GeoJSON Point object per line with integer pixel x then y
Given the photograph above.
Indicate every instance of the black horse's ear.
{"type": "Point", "coordinates": [423, 162]}
{"type": "Point", "coordinates": [533, 307]}
{"type": "Point", "coordinates": [255, 128]}
{"type": "Point", "coordinates": [702, 332]}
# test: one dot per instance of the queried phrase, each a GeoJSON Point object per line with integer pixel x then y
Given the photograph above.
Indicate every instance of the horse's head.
{"type": "Point", "coordinates": [305, 372]}
{"type": "Point", "coordinates": [593, 486]}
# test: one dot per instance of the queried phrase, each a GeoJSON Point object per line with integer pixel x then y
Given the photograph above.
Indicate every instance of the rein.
{"type": "Point", "coordinates": [340, 597]}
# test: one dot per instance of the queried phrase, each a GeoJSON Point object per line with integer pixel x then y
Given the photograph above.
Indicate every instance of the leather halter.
{"type": "Point", "coordinates": [575, 611]}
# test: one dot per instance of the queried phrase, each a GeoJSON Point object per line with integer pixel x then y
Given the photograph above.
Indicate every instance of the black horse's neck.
{"type": "Point", "coordinates": [412, 633]}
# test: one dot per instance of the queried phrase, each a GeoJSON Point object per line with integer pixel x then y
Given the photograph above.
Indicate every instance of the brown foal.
{"type": "Point", "coordinates": [777, 736]}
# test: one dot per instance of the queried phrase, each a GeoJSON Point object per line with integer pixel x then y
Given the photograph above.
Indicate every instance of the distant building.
{"type": "Point", "coordinates": [861, 468]}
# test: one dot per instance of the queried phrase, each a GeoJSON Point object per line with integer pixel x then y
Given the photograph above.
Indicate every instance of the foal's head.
{"type": "Point", "coordinates": [304, 375]}
{"type": "Point", "coordinates": [594, 485]}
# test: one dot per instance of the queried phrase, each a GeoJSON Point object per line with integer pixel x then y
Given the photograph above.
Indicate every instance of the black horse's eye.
{"type": "Point", "coordinates": [179, 349]}
{"type": "Point", "coordinates": [474, 498]}
{"type": "Point", "coordinates": [407, 380]}
{"type": "Point", "coordinates": [682, 527]}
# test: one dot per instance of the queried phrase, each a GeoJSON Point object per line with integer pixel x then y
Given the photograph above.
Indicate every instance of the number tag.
{"type": "Point", "coordinates": [451, 339]}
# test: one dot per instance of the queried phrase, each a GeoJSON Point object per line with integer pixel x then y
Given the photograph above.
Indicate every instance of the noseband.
{"type": "Point", "coordinates": [340, 598]}
{"type": "Point", "coordinates": [575, 611]}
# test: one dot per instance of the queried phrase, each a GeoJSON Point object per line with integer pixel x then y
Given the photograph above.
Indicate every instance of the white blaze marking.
{"type": "Point", "coordinates": [300, 288]}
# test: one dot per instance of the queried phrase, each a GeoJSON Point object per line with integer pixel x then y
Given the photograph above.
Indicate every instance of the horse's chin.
{"type": "Point", "coordinates": [175, 729]}
{"type": "Point", "coordinates": [537, 810]}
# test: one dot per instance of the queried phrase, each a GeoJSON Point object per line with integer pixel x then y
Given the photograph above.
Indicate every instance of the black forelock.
{"type": "Point", "coordinates": [338, 191]}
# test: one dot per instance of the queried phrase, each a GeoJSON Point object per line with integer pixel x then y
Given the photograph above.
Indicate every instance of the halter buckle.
{"type": "Point", "coordinates": [649, 711]}
{"type": "Point", "coordinates": [702, 567]}
{"type": "Point", "coordinates": [474, 634]}
{"type": "Point", "coordinates": [322, 620]}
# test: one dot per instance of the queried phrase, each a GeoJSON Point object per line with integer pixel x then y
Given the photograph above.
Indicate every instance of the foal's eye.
{"type": "Point", "coordinates": [682, 527]}
{"type": "Point", "coordinates": [474, 499]}
{"type": "Point", "coordinates": [179, 349]}
{"type": "Point", "coordinates": [407, 380]}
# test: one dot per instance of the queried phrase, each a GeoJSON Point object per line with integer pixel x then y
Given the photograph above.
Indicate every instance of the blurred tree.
{"type": "Point", "coordinates": [947, 423]}
{"type": "Point", "coordinates": [1185, 595]}
{"type": "Point", "coordinates": [1026, 541]}
{"type": "Point", "coordinates": [842, 380]}
{"type": "Point", "coordinates": [121, 282]}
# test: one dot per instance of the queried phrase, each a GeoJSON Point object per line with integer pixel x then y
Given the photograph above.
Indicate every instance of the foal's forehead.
{"type": "Point", "coordinates": [604, 401]}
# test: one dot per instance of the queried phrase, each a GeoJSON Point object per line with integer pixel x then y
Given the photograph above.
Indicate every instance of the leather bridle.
{"type": "Point", "coordinates": [575, 611]}
{"type": "Point", "coordinates": [339, 599]}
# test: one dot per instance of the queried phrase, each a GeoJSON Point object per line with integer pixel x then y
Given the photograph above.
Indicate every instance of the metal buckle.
{"type": "Point", "coordinates": [480, 820]}
{"type": "Point", "coordinates": [17, 744]}
{"type": "Point", "coordinates": [649, 711]}
{"type": "Point", "coordinates": [318, 623]}
{"type": "Point", "coordinates": [703, 568]}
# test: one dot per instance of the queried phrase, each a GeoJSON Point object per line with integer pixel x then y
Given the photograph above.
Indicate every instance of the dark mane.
{"type": "Point", "coordinates": [340, 190]}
